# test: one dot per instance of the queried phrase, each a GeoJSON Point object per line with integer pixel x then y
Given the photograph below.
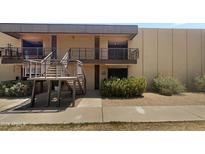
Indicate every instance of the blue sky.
{"type": "Point", "coordinates": [173, 25]}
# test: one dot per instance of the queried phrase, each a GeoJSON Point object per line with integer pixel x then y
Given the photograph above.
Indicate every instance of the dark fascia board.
{"type": "Point", "coordinates": [15, 35]}
{"type": "Point", "coordinates": [69, 28]}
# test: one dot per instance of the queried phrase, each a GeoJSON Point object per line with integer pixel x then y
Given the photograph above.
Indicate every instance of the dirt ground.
{"type": "Point", "coordinates": [152, 99]}
{"type": "Point", "coordinates": [112, 126]}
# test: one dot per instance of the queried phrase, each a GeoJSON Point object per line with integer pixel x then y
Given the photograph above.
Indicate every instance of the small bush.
{"type": "Point", "coordinates": [15, 88]}
{"type": "Point", "coordinates": [199, 83]}
{"type": "Point", "coordinates": [126, 87]}
{"type": "Point", "coordinates": [167, 85]}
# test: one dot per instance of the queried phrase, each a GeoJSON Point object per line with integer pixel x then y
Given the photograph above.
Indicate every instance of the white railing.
{"type": "Point", "coordinates": [64, 68]}
{"type": "Point", "coordinates": [36, 68]}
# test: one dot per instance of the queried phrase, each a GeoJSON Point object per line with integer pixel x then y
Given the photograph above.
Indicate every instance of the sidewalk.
{"type": "Point", "coordinates": [90, 109]}
{"type": "Point", "coordinates": [154, 113]}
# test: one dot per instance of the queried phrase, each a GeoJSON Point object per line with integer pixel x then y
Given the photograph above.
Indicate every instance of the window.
{"type": "Point", "coordinates": [32, 49]}
{"type": "Point", "coordinates": [118, 50]}
{"type": "Point", "coordinates": [117, 72]}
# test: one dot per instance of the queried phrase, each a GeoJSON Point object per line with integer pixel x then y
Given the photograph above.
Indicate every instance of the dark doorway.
{"type": "Point", "coordinates": [54, 46]}
{"type": "Point", "coordinates": [97, 76]}
{"type": "Point", "coordinates": [117, 50]}
{"type": "Point", "coordinates": [117, 72]}
{"type": "Point", "coordinates": [97, 47]}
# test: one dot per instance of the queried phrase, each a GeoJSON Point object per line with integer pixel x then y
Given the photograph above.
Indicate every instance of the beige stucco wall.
{"type": "Point", "coordinates": [64, 42]}
{"type": "Point", "coordinates": [136, 42]}
{"type": "Point", "coordinates": [193, 54]}
{"type": "Point", "coordinates": [179, 55]}
{"type": "Point", "coordinates": [90, 76]}
{"type": "Point", "coordinates": [6, 39]}
{"type": "Point", "coordinates": [9, 72]}
{"type": "Point", "coordinates": [176, 52]}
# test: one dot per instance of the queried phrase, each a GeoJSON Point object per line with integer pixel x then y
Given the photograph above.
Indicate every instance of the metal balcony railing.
{"type": "Point", "coordinates": [104, 54]}
{"type": "Point", "coordinates": [24, 52]}
{"type": "Point", "coordinates": [87, 55]}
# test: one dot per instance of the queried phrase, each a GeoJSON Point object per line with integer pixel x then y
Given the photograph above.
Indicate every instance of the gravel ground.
{"type": "Point", "coordinates": [152, 99]}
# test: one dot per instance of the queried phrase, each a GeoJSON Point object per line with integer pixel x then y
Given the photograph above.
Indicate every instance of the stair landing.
{"type": "Point", "coordinates": [54, 78]}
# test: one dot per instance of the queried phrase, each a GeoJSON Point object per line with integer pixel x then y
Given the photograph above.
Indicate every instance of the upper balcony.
{"type": "Point", "coordinates": [105, 55]}
{"type": "Point", "coordinates": [13, 55]}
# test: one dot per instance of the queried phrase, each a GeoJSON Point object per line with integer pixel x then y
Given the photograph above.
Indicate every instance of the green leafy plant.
{"type": "Point", "coordinates": [167, 85]}
{"type": "Point", "coordinates": [126, 87]}
{"type": "Point", "coordinates": [15, 88]}
{"type": "Point", "coordinates": [199, 83]}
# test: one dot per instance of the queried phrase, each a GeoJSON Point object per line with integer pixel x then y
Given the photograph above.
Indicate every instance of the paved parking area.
{"type": "Point", "coordinates": [91, 109]}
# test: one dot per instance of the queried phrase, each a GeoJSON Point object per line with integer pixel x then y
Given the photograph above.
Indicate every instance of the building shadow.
{"type": "Point", "coordinates": [41, 104]}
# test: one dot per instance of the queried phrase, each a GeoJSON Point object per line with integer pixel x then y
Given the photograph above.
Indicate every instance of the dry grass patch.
{"type": "Point", "coordinates": [112, 126]}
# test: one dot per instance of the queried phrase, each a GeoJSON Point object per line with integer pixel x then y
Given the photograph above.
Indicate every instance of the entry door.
{"type": "Point", "coordinates": [117, 72]}
{"type": "Point", "coordinates": [97, 76]}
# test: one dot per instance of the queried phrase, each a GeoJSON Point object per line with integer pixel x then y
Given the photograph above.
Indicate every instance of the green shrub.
{"type": "Point", "coordinates": [199, 83]}
{"type": "Point", "coordinates": [130, 87]}
{"type": "Point", "coordinates": [15, 88]}
{"type": "Point", "coordinates": [167, 85]}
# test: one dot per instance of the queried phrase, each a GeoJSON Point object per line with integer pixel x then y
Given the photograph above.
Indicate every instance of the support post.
{"type": "Point", "coordinates": [45, 69]}
{"type": "Point", "coordinates": [59, 92]}
{"type": "Point", "coordinates": [37, 54]}
{"type": "Point", "coordinates": [41, 86]}
{"type": "Point", "coordinates": [40, 69]}
{"type": "Point", "coordinates": [36, 70]}
{"type": "Point", "coordinates": [23, 70]}
{"type": "Point", "coordinates": [33, 93]}
{"type": "Point", "coordinates": [74, 91]}
{"type": "Point", "coordinates": [49, 92]}
{"type": "Point", "coordinates": [30, 69]}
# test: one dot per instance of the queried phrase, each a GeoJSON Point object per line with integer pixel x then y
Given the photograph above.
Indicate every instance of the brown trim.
{"type": "Point", "coordinates": [98, 61]}
{"type": "Point", "coordinates": [130, 30]}
{"type": "Point", "coordinates": [54, 45]}
{"type": "Point", "coordinates": [97, 76]}
{"type": "Point", "coordinates": [8, 60]}
{"type": "Point", "coordinates": [97, 47]}
{"type": "Point", "coordinates": [14, 35]}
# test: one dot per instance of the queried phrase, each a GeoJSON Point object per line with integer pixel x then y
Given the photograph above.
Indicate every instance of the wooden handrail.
{"type": "Point", "coordinates": [47, 57]}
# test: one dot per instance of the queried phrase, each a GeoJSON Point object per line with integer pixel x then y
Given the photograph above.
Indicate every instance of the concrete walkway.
{"type": "Point", "coordinates": [6, 103]}
{"type": "Point", "coordinates": [153, 113]}
{"type": "Point", "coordinates": [90, 109]}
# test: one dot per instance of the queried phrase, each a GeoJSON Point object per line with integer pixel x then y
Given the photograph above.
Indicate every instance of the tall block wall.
{"type": "Point", "coordinates": [175, 52]}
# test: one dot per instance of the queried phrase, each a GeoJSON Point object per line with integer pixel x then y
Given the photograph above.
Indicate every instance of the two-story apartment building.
{"type": "Point", "coordinates": [105, 50]}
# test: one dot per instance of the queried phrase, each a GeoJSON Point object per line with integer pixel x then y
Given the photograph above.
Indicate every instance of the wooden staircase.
{"type": "Point", "coordinates": [80, 84]}
{"type": "Point", "coordinates": [55, 71]}
{"type": "Point", "coordinates": [65, 70]}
